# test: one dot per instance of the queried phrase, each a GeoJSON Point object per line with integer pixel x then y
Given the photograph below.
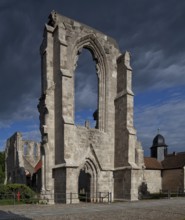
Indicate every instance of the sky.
{"type": "Point", "coordinates": [151, 30]}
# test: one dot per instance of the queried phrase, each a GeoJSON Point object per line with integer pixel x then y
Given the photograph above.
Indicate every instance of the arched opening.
{"type": "Point", "coordinates": [35, 151]}
{"type": "Point", "coordinates": [84, 186]}
{"type": "Point", "coordinates": [28, 178]}
{"type": "Point", "coordinates": [86, 90]}
{"type": "Point", "coordinates": [25, 149]}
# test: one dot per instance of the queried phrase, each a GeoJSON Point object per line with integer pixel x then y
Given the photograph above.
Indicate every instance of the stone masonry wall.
{"type": "Point", "coordinates": [21, 157]}
{"type": "Point", "coordinates": [153, 180]}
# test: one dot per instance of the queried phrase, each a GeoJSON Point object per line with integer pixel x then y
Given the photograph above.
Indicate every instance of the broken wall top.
{"type": "Point", "coordinates": [67, 23]}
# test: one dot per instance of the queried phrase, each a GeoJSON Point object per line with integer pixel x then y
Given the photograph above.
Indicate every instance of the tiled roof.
{"type": "Point", "coordinates": [174, 161]}
{"type": "Point", "coordinates": [152, 163]}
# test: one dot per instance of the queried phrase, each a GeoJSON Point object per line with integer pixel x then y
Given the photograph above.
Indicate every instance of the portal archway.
{"type": "Point", "coordinates": [84, 186]}
{"type": "Point", "coordinates": [87, 181]}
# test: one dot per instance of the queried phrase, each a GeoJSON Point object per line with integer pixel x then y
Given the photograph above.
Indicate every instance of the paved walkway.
{"type": "Point", "coordinates": [164, 209]}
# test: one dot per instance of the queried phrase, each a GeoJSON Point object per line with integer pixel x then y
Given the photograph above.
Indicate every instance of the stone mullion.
{"type": "Point", "coordinates": [104, 98]}
{"type": "Point", "coordinates": [100, 109]}
{"type": "Point", "coordinates": [105, 73]}
{"type": "Point", "coordinates": [101, 96]}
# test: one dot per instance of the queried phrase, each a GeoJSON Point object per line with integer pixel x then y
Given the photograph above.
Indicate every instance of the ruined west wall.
{"type": "Point", "coordinates": [73, 144]}
{"type": "Point", "coordinates": [67, 147]}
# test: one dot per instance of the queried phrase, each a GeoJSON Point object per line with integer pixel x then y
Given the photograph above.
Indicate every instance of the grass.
{"type": "Point", "coordinates": [15, 202]}
{"type": "Point", "coordinates": [10, 202]}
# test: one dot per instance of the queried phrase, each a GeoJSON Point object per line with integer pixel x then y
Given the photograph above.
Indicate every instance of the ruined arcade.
{"type": "Point", "coordinates": [78, 159]}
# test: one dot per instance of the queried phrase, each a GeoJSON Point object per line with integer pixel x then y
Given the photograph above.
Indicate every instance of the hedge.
{"type": "Point", "coordinates": [24, 190]}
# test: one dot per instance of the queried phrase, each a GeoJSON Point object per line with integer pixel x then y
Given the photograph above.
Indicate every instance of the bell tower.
{"type": "Point", "coordinates": [159, 149]}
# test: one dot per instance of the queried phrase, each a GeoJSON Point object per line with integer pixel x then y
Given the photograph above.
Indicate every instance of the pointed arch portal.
{"type": "Point", "coordinates": [84, 186]}
{"type": "Point", "coordinates": [87, 181]}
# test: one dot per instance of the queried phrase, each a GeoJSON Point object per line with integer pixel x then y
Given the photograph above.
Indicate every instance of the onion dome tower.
{"type": "Point", "coordinates": [159, 148]}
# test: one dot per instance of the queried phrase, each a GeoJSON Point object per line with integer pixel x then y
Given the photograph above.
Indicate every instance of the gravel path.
{"type": "Point", "coordinates": [164, 209]}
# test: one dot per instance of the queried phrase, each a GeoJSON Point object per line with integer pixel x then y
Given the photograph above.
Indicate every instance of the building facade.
{"type": "Point", "coordinates": [107, 158]}
{"type": "Point", "coordinates": [163, 171]}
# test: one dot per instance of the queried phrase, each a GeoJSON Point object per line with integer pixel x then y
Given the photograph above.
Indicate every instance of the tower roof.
{"type": "Point", "coordinates": [158, 141]}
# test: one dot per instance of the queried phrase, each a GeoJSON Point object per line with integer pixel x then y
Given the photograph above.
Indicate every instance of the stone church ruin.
{"type": "Point", "coordinates": [80, 159]}
{"type": "Point", "coordinates": [22, 159]}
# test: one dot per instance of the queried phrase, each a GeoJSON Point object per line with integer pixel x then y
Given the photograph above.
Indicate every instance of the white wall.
{"type": "Point", "coordinates": [153, 180]}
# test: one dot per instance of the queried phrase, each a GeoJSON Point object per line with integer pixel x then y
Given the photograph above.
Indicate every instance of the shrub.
{"type": "Point", "coordinates": [24, 190]}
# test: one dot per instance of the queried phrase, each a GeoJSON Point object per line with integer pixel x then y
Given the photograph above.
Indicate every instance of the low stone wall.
{"type": "Point", "coordinates": [153, 180]}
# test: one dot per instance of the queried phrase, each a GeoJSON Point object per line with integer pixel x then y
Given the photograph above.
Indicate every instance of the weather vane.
{"type": "Point", "coordinates": [158, 130]}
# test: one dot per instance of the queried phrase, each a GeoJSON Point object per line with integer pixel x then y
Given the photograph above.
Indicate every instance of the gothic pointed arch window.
{"type": "Point", "coordinates": [91, 43]}
{"type": "Point", "coordinates": [86, 89]}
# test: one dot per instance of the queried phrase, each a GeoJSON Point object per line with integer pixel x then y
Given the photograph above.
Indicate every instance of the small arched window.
{"type": "Point", "coordinates": [25, 149]}
{"type": "Point", "coordinates": [35, 150]}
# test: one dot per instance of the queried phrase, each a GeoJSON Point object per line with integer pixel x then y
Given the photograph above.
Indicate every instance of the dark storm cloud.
{"type": "Point", "coordinates": [152, 30]}
{"type": "Point", "coordinates": [154, 35]}
{"type": "Point", "coordinates": [20, 38]}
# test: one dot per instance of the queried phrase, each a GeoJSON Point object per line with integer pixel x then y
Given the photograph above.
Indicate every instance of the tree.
{"type": "Point", "coordinates": [2, 167]}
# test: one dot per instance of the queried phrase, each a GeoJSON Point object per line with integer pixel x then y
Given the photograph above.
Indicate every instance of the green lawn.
{"type": "Point", "coordinates": [10, 202]}
{"type": "Point", "coordinates": [15, 202]}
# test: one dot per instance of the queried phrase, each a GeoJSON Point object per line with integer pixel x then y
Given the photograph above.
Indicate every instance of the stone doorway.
{"type": "Point", "coordinates": [84, 186]}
